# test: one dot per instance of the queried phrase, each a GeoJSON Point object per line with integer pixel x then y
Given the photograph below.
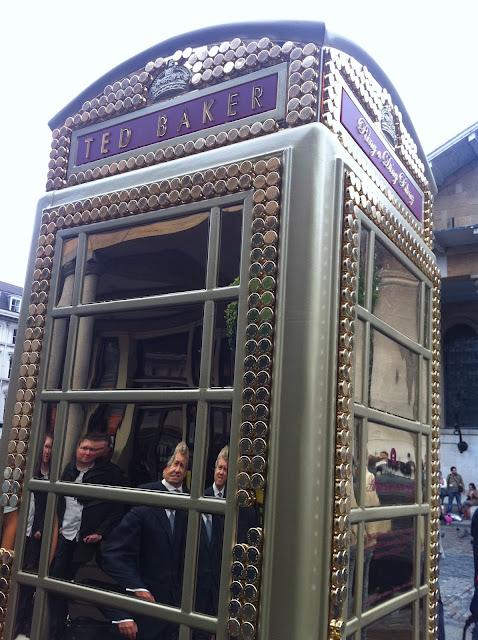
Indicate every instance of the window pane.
{"type": "Point", "coordinates": [64, 293]}
{"type": "Point", "coordinates": [461, 379]}
{"type": "Point", "coordinates": [230, 246]}
{"type": "Point", "coordinates": [359, 344]}
{"type": "Point", "coordinates": [425, 392]}
{"type": "Point", "coordinates": [389, 559]}
{"type": "Point", "coordinates": [24, 611]}
{"type": "Point", "coordinates": [391, 463]}
{"type": "Point", "coordinates": [138, 439]}
{"type": "Point", "coordinates": [161, 257]}
{"type": "Point", "coordinates": [393, 377]}
{"type": "Point", "coordinates": [398, 625]}
{"type": "Point", "coordinates": [425, 472]}
{"type": "Point", "coordinates": [224, 349]}
{"type": "Point", "coordinates": [150, 349]}
{"type": "Point", "coordinates": [362, 277]}
{"type": "Point", "coordinates": [427, 328]}
{"type": "Point", "coordinates": [57, 354]}
{"type": "Point", "coordinates": [396, 293]}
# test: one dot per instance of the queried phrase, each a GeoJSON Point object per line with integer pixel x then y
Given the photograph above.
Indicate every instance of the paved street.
{"type": "Point", "coordinates": [456, 578]}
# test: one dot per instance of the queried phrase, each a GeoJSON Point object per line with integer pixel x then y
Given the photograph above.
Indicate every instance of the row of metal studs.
{"type": "Point", "coordinates": [330, 116]}
{"type": "Point", "coordinates": [343, 455]}
{"type": "Point", "coordinates": [209, 66]}
{"type": "Point", "coordinates": [373, 97]}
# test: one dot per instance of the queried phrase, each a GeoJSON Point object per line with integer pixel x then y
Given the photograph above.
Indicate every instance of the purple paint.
{"type": "Point", "coordinates": [364, 134]}
{"type": "Point", "coordinates": [216, 108]}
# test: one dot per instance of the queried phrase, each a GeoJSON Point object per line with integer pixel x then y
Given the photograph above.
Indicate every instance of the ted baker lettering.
{"type": "Point", "coordinates": [244, 100]}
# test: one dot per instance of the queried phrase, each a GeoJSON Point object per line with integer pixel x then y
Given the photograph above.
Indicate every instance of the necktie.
{"type": "Point", "coordinates": [209, 526]}
{"type": "Point", "coordinates": [171, 520]}
{"type": "Point", "coordinates": [219, 494]}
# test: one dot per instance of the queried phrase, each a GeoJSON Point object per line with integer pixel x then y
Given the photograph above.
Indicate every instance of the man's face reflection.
{"type": "Point", "coordinates": [46, 452]}
{"type": "Point", "coordinates": [176, 471]}
{"type": "Point", "coordinates": [220, 473]}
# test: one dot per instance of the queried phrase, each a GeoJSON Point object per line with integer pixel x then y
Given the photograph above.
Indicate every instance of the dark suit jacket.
{"type": "Point", "coordinates": [98, 516]}
{"type": "Point", "coordinates": [209, 563]}
{"type": "Point", "coordinates": [143, 553]}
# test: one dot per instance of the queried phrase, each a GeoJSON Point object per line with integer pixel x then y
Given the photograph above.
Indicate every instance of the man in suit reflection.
{"type": "Point", "coordinates": [211, 543]}
{"type": "Point", "coordinates": [145, 554]}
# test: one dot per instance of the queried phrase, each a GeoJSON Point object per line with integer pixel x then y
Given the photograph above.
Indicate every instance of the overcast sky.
{"type": "Point", "coordinates": [52, 50]}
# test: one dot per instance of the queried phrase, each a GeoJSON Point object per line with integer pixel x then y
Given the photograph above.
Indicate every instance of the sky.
{"type": "Point", "coordinates": [50, 51]}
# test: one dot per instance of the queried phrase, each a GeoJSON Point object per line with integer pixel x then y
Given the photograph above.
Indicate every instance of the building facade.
{"type": "Point", "coordinates": [455, 168]}
{"type": "Point", "coordinates": [10, 301]}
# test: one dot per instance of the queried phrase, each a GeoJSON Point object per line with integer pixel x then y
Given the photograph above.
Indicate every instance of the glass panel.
{"type": "Point", "coordinates": [362, 276]}
{"type": "Point", "coordinates": [64, 293]}
{"type": "Point", "coordinates": [352, 575]}
{"type": "Point", "coordinates": [426, 314]}
{"type": "Point", "coordinates": [24, 611]}
{"type": "Point", "coordinates": [224, 349]}
{"type": "Point", "coordinates": [396, 293]}
{"type": "Point", "coordinates": [35, 502]}
{"type": "Point", "coordinates": [56, 361]}
{"type": "Point", "coordinates": [425, 472]}
{"type": "Point", "coordinates": [423, 545]}
{"type": "Point", "coordinates": [161, 257]}
{"type": "Point", "coordinates": [393, 377]}
{"type": "Point", "coordinates": [218, 448]}
{"type": "Point", "coordinates": [359, 343]}
{"type": "Point", "coordinates": [389, 549]}
{"type": "Point", "coordinates": [425, 392]}
{"type": "Point", "coordinates": [230, 246]}
{"type": "Point", "coordinates": [356, 462]}
{"type": "Point", "coordinates": [398, 625]}
{"type": "Point", "coordinates": [208, 577]}
{"type": "Point", "coordinates": [125, 444]}
{"type": "Point", "coordinates": [150, 349]}
{"type": "Point", "coordinates": [391, 477]}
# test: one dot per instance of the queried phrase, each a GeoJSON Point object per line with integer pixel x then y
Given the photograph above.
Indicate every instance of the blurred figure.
{"type": "Point", "coordinates": [35, 522]}
{"type": "Point", "coordinates": [145, 554]}
{"type": "Point", "coordinates": [83, 522]}
{"type": "Point", "coordinates": [210, 547]}
{"type": "Point", "coordinates": [455, 487]}
{"type": "Point", "coordinates": [471, 499]}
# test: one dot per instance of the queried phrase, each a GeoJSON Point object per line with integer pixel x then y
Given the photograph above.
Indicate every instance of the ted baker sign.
{"type": "Point", "coordinates": [258, 95]}
{"type": "Point", "coordinates": [363, 132]}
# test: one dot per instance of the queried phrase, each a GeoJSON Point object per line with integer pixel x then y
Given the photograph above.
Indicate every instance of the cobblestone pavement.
{"type": "Point", "coordinates": [456, 578]}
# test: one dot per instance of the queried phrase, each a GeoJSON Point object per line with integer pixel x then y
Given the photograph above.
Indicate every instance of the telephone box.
{"type": "Point", "coordinates": [234, 249]}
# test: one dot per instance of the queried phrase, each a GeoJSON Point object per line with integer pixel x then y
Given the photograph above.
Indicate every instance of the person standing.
{"type": "Point", "coordinates": [145, 554]}
{"type": "Point", "coordinates": [210, 547]}
{"type": "Point", "coordinates": [455, 486]}
{"type": "Point", "coordinates": [83, 522]}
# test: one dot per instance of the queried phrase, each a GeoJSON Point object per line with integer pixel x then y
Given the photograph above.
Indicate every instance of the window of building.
{"type": "Point", "coordinates": [461, 376]}
{"type": "Point", "coordinates": [15, 304]}
{"type": "Point", "coordinates": [9, 366]}
{"type": "Point", "coordinates": [14, 336]}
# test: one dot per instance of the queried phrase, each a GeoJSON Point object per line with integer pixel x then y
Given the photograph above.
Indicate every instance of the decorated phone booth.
{"type": "Point", "coordinates": [233, 250]}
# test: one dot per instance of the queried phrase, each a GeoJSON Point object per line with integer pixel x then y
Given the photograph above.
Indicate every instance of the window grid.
{"type": "Point", "coordinates": [420, 510]}
{"type": "Point", "coordinates": [195, 504]}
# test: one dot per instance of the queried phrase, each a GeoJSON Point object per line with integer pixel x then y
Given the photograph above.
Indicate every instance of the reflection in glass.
{"type": "Point", "coordinates": [149, 349]}
{"type": "Point", "coordinates": [24, 610]}
{"type": "Point", "coordinates": [396, 293]}
{"type": "Point", "coordinates": [393, 377]}
{"type": "Point", "coordinates": [224, 348]}
{"type": "Point", "coordinates": [64, 293]}
{"type": "Point", "coordinates": [359, 342]}
{"type": "Point", "coordinates": [356, 462]}
{"type": "Point", "coordinates": [362, 276]}
{"type": "Point", "coordinates": [352, 582]}
{"type": "Point", "coordinates": [230, 246]}
{"type": "Point", "coordinates": [56, 361]}
{"type": "Point", "coordinates": [398, 625]}
{"type": "Point", "coordinates": [390, 544]}
{"type": "Point", "coordinates": [425, 471]}
{"type": "Point", "coordinates": [425, 392]}
{"type": "Point", "coordinates": [391, 465]}
{"type": "Point", "coordinates": [426, 318]}
{"type": "Point", "coordinates": [161, 257]}
{"type": "Point", "coordinates": [218, 439]}
{"type": "Point", "coordinates": [208, 577]}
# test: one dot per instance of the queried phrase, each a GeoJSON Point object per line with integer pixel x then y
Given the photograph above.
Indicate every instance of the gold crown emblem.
{"type": "Point", "coordinates": [387, 124]}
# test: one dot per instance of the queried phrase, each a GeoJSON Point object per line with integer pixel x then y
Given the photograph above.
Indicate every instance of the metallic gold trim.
{"type": "Point", "coordinates": [356, 198]}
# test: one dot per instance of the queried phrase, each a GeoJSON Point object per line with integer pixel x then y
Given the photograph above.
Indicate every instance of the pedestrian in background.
{"type": "Point", "coordinates": [455, 487]}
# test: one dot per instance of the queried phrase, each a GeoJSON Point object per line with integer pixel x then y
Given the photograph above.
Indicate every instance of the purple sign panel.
{"type": "Point", "coordinates": [362, 131]}
{"type": "Point", "coordinates": [188, 117]}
